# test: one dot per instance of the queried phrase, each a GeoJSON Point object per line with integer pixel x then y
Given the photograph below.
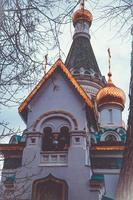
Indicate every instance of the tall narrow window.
{"type": "Point", "coordinates": [64, 137]}
{"type": "Point", "coordinates": [110, 116]}
{"type": "Point", "coordinates": [47, 139]}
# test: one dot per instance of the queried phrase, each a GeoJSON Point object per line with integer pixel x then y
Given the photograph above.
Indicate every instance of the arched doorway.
{"type": "Point", "coordinates": [50, 188]}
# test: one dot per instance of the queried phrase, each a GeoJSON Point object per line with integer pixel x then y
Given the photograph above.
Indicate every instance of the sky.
{"type": "Point", "coordinates": [101, 40]}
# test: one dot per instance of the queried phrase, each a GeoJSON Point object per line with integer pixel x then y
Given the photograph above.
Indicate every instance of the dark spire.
{"type": "Point", "coordinates": [81, 54]}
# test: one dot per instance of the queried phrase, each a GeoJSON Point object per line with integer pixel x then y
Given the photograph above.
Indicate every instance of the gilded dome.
{"type": "Point", "coordinates": [110, 94]}
{"type": "Point", "coordinates": [82, 14]}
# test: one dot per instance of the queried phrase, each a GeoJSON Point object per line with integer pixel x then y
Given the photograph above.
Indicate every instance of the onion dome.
{"type": "Point", "coordinates": [82, 14]}
{"type": "Point", "coordinates": [110, 95]}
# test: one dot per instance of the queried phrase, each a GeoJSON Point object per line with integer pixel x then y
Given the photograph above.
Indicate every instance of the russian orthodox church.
{"type": "Point", "coordinates": [73, 144]}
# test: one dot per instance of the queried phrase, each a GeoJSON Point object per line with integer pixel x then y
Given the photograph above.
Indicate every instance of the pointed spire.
{"type": "Point", "coordinates": [81, 54]}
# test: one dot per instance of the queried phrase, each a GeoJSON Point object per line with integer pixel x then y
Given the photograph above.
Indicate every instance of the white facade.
{"type": "Point", "coordinates": [110, 116]}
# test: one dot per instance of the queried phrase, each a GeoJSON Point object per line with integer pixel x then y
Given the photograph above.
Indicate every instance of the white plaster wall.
{"type": "Point", "coordinates": [76, 174]}
{"type": "Point", "coordinates": [116, 117]}
{"type": "Point", "coordinates": [111, 182]}
{"type": "Point", "coordinates": [57, 94]}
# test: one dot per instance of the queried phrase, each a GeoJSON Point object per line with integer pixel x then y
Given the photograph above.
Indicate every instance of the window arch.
{"type": "Point", "coordinates": [50, 187]}
{"type": "Point", "coordinates": [39, 123]}
{"type": "Point", "coordinates": [87, 72]}
{"type": "Point", "coordinates": [76, 72]}
{"type": "Point", "coordinates": [110, 137]}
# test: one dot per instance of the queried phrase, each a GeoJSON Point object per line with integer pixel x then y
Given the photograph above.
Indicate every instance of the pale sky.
{"type": "Point", "coordinates": [101, 40]}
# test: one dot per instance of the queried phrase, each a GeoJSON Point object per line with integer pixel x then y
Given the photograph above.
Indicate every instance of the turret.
{"type": "Point", "coordinates": [110, 103]}
{"type": "Point", "coordinates": [81, 60]}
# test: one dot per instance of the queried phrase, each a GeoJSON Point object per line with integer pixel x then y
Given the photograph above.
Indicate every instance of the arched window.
{"type": "Point", "coordinates": [110, 138]}
{"type": "Point", "coordinates": [64, 137]}
{"type": "Point", "coordinates": [87, 72]}
{"type": "Point", "coordinates": [76, 72]}
{"type": "Point", "coordinates": [47, 139]}
{"type": "Point", "coordinates": [55, 141]}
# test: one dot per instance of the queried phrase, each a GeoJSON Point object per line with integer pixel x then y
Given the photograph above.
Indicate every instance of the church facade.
{"type": "Point", "coordinates": [73, 144]}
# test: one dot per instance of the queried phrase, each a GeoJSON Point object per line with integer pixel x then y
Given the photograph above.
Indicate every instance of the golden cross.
{"type": "Point", "coordinates": [109, 74]}
{"type": "Point", "coordinates": [82, 4]}
{"type": "Point", "coordinates": [109, 58]}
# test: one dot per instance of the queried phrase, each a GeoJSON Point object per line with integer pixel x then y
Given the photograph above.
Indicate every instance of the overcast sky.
{"type": "Point", "coordinates": [101, 40]}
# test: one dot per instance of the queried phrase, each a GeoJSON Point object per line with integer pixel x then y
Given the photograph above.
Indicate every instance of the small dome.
{"type": "Point", "coordinates": [82, 14]}
{"type": "Point", "coordinates": [110, 94]}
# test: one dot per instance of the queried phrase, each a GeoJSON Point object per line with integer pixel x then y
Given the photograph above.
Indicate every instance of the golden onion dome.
{"type": "Point", "coordinates": [82, 14]}
{"type": "Point", "coordinates": [110, 95]}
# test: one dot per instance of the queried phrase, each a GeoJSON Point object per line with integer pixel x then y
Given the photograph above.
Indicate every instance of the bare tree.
{"type": "Point", "coordinates": [29, 29]}
{"type": "Point", "coordinates": [119, 13]}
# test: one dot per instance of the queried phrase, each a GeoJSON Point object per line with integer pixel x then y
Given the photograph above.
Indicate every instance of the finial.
{"type": "Point", "coordinates": [109, 73]}
{"type": "Point", "coordinates": [82, 4]}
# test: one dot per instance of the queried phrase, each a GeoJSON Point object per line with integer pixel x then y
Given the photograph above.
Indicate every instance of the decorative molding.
{"type": "Point", "coordinates": [60, 113]}
{"type": "Point", "coordinates": [107, 133]}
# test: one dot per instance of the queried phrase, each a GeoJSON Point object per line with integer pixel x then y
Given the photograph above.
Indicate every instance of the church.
{"type": "Point", "coordinates": [73, 144]}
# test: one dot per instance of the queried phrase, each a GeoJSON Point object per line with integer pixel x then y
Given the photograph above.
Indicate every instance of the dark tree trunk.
{"type": "Point", "coordinates": [125, 185]}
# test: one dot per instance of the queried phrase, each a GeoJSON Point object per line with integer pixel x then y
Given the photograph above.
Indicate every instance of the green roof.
{"type": "Point", "coordinates": [97, 177]}
{"type": "Point", "coordinates": [106, 198]}
{"type": "Point", "coordinates": [18, 138]}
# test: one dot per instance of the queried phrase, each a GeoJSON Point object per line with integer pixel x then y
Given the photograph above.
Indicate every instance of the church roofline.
{"type": "Point", "coordinates": [58, 64]}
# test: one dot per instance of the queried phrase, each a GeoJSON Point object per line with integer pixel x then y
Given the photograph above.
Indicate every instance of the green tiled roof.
{"type": "Point", "coordinates": [18, 138]}
{"type": "Point", "coordinates": [81, 55]}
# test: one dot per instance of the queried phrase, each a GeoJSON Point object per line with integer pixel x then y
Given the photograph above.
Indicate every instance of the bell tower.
{"type": "Point", "coordinates": [110, 102]}
{"type": "Point", "coordinates": [81, 60]}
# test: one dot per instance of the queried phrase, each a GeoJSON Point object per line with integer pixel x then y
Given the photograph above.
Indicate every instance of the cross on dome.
{"type": "Point", "coordinates": [82, 14]}
{"type": "Point", "coordinates": [109, 73]}
{"type": "Point", "coordinates": [110, 94]}
{"type": "Point", "coordinates": [82, 3]}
